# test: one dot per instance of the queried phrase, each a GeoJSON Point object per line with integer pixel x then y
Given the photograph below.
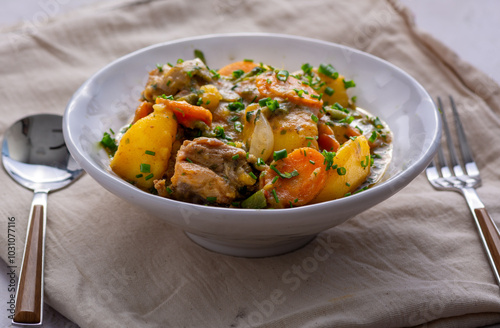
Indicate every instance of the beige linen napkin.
{"type": "Point", "coordinates": [414, 260]}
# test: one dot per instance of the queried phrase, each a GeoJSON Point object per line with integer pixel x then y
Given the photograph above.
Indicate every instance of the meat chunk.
{"type": "Point", "coordinates": [209, 171]}
{"type": "Point", "coordinates": [170, 80]}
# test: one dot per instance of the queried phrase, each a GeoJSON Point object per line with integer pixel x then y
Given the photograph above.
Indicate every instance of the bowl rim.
{"type": "Point", "coordinates": [388, 187]}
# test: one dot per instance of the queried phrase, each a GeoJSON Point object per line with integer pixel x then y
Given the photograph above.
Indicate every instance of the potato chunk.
{"type": "Point", "coordinates": [144, 150]}
{"type": "Point", "coordinates": [354, 157]}
{"type": "Point", "coordinates": [339, 91]}
{"type": "Point", "coordinates": [294, 130]}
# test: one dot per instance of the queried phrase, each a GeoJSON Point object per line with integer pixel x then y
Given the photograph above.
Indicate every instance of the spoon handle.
{"type": "Point", "coordinates": [29, 297]}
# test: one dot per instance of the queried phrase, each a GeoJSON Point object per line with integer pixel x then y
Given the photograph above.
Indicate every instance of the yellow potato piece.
{"type": "Point", "coordinates": [210, 97]}
{"type": "Point", "coordinates": [144, 150]}
{"type": "Point", "coordinates": [339, 95]}
{"type": "Point", "coordinates": [294, 130]}
{"type": "Point", "coordinates": [354, 156]}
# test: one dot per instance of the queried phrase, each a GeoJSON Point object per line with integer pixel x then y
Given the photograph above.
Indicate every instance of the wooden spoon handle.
{"type": "Point", "coordinates": [29, 300]}
{"type": "Point", "coordinates": [490, 234]}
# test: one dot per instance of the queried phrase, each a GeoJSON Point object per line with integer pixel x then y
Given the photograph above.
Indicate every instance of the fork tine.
{"type": "Point", "coordinates": [432, 171]}
{"type": "Point", "coordinates": [470, 165]}
{"type": "Point", "coordinates": [443, 162]}
{"type": "Point", "coordinates": [455, 164]}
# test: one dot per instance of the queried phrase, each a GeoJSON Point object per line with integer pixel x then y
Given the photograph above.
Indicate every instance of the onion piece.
{"type": "Point", "coordinates": [262, 140]}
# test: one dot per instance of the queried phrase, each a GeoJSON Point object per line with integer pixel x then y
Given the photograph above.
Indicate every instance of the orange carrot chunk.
{"type": "Point", "coordinates": [296, 179]}
{"type": "Point", "coordinates": [328, 142]}
{"type": "Point", "coordinates": [292, 89]}
{"type": "Point", "coordinates": [326, 138]}
{"type": "Point", "coordinates": [245, 66]}
{"type": "Point", "coordinates": [185, 113]}
{"type": "Point", "coordinates": [143, 110]}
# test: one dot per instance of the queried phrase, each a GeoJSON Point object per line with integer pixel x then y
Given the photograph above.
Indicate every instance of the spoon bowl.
{"type": "Point", "coordinates": [34, 154]}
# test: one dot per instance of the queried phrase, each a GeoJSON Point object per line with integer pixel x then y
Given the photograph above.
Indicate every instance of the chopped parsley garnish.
{"type": "Point", "coordinates": [238, 126]}
{"type": "Point", "coordinates": [299, 92]}
{"type": "Point", "coordinates": [108, 142]}
{"type": "Point", "coordinates": [339, 107]}
{"type": "Point", "coordinates": [347, 120]}
{"type": "Point", "coordinates": [272, 104]}
{"type": "Point", "coordinates": [238, 73]}
{"type": "Point", "coordinates": [317, 97]}
{"type": "Point", "coordinates": [280, 154]}
{"type": "Point", "coordinates": [275, 196]}
{"type": "Point", "coordinates": [349, 84]}
{"type": "Point", "coordinates": [329, 156]}
{"type": "Point", "coordinates": [215, 75]}
{"type": "Point", "coordinates": [199, 54]}
{"type": "Point", "coordinates": [145, 168]}
{"type": "Point", "coordinates": [282, 75]}
{"type": "Point", "coordinates": [329, 91]}
{"type": "Point", "coordinates": [166, 97]}
{"type": "Point", "coordinates": [248, 115]}
{"type": "Point", "coordinates": [286, 175]}
{"type": "Point", "coordinates": [211, 199]}
{"type": "Point", "coordinates": [220, 133]}
{"type": "Point", "coordinates": [373, 137]}
{"type": "Point", "coordinates": [263, 102]}
{"type": "Point", "coordinates": [377, 123]}
{"type": "Point", "coordinates": [307, 68]}
{"type": "Point", "coordinates": [365, 162]}
{"type": "Point", "coordinates": [235, 106]}
{"type": "Point", "coordinates": [328, 70]}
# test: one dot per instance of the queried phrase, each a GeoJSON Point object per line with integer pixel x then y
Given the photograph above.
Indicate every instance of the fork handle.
{"type": "Point", "coordinates": [491, 235]}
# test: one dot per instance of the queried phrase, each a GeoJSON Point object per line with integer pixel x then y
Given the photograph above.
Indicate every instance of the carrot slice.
{"type": "Point", "coordinates": [143, 110]}
{"type": "Point", "coordinates": [328, 142]}
{"type": "Point", "coordinates": [326, 138]}
{"type": "Point", "coordinates": [245, 66]}
{"type": "Point", "coordinates": [186, 113]}
{"type": "Point", "coordinates": [292, 89]}
{"type": "Point", "coordinates": [307, 177]}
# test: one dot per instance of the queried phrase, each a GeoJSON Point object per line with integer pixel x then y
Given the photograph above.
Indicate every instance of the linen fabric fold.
{"type": "Point", "coordinates": [413, 260]}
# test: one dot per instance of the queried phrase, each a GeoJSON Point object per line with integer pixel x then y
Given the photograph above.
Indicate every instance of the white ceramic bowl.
{"type": "Point", "coordinates": [108, 99]}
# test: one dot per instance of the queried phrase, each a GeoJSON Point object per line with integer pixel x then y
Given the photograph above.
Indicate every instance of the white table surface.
{"type": "Point", "coordinates": [469, 27]}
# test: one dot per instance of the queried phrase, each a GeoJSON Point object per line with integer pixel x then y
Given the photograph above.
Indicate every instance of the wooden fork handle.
{"type": "Point", "coordinates": [29, 299]}
{"type": "Point", "coordinates": [491, 235]}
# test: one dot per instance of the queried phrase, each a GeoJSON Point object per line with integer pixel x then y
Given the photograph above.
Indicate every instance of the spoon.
{"type": "Point", "coordinates": [34, 154]}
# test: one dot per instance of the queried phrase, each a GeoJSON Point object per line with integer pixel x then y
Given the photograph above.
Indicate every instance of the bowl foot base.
{"type": "Point", "coordinates": [261, 248]}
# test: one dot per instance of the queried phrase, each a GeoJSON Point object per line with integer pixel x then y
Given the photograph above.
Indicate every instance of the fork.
{"type": "Point", "coordinates": [461, 174]}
